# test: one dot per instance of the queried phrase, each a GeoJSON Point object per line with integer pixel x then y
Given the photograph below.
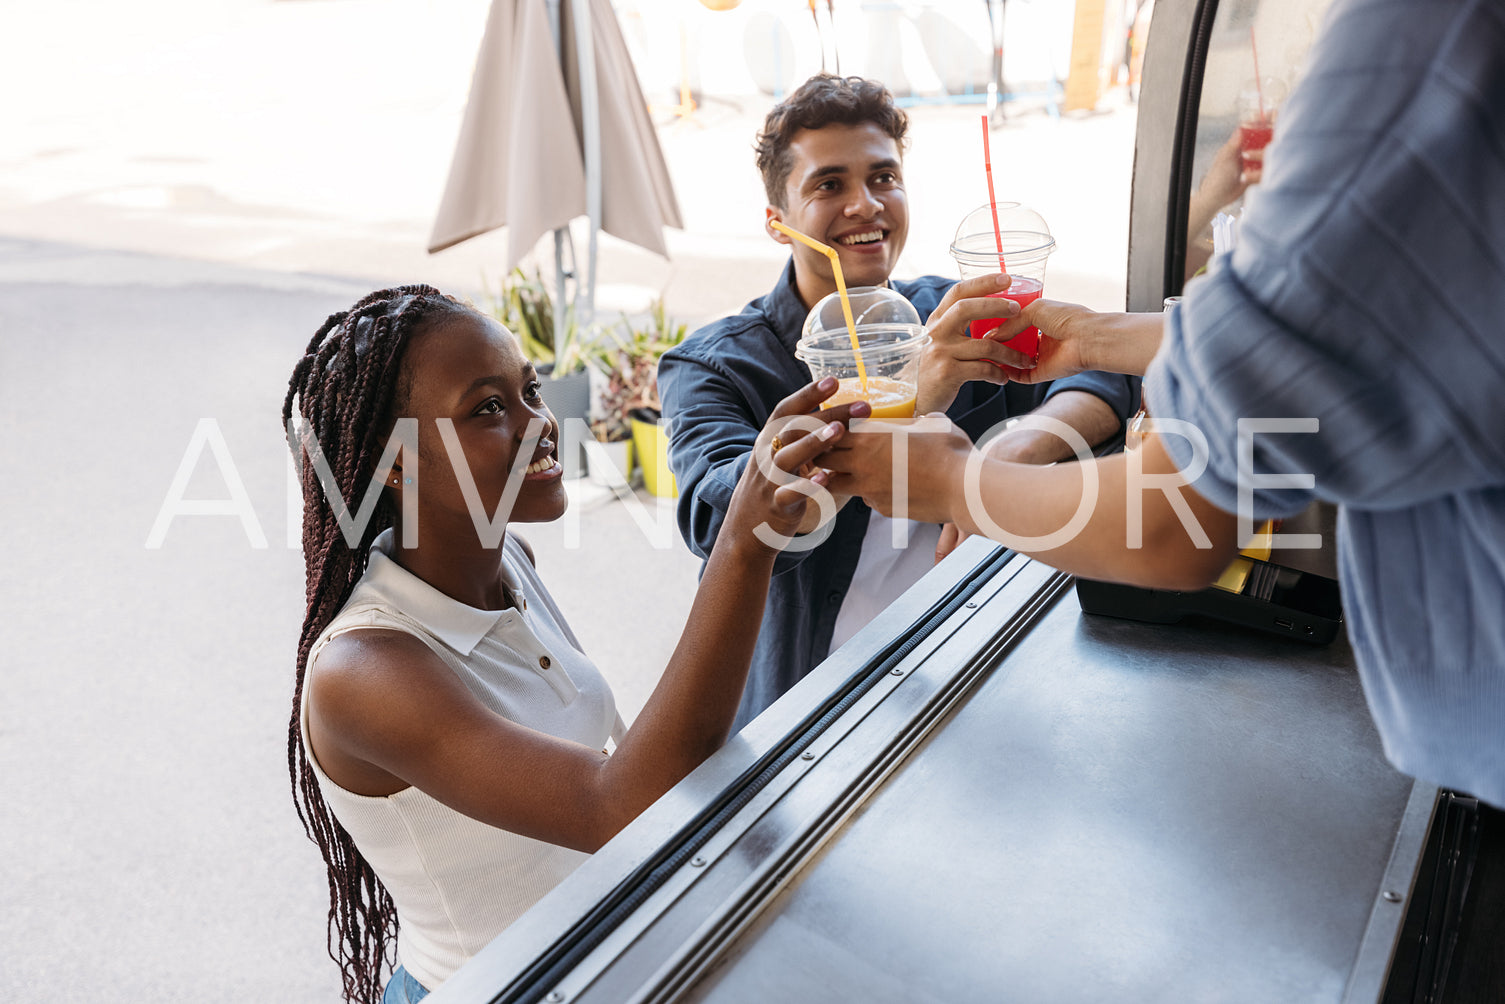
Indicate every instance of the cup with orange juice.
{"type": "Point", "coordinates": [1026, 244]}
{"type": "Point", "coordinates": [883, 366]}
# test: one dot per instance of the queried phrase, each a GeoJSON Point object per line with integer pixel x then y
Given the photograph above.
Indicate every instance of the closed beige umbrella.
{"type": "Point", "coordinates": [637, 195]}
{"type": "Point", "coordinates": [538, 128]}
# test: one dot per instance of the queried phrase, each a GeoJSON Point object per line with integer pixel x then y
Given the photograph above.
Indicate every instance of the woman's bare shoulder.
{"type": "Point", "coordinates": [361, 672]}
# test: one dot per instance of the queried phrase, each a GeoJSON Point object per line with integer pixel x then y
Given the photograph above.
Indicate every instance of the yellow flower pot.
{"type": "Point", "coordinates": [651, 444]}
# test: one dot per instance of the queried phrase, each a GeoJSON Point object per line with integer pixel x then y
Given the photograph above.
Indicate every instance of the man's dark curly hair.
{"type": "Point", "coordinates": [825, 99]}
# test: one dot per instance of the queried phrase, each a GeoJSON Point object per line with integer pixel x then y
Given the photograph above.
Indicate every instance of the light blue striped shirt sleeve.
{"type": "Point", "coordinates": [1368, 287]}
{"type": "Point", "coordinates": [1367, 292]}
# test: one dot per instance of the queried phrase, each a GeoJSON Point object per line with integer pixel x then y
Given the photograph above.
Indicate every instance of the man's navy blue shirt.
{"type": "Point", "coordinates": [719, 387]}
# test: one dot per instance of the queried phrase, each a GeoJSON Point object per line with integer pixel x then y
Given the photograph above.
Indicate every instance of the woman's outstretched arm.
{"type": "Point", "coordinates": [386, 713]}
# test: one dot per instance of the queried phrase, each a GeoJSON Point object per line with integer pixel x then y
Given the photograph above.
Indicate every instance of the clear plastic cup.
{"type": "Point", "coordinates": [1027, 244]}
{"type": "Point", "coordinates": [1257, 105]}
{"type": "Point", "coordinates": [890, 338]}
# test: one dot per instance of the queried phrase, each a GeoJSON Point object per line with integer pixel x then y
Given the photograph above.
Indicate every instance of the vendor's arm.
{"type": "Point", "coordinates": [1095, 405]}
{"type": "Point", "coordinates": [1029, 441]}
{"type": "Point", "coordinates": [1074, 339]}
{"type": "Point", "coordinates": [1183, 541]}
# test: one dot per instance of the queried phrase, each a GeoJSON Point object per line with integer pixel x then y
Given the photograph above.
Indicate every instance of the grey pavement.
{"type": "Point", "coordinates": [187, 193]}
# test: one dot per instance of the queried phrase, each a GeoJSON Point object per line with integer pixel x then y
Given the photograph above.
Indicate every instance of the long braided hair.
{"type": "Point", "coordinates": [348, 388]}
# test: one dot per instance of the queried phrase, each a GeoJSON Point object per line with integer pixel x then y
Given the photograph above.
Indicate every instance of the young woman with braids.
{"type": "Point", "coordinates": [448, 738]}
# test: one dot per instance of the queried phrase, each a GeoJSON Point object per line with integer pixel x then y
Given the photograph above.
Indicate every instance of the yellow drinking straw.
{"type": "Point", "coordinates": [841, 289]}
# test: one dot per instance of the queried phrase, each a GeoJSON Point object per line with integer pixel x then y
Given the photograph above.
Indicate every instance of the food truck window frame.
{"type": "Point", "coordinates": [1164, 146]}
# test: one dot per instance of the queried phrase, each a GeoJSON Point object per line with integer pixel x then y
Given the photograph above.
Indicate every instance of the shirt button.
{"type": "Point", "coordinates": [833, 597]}
{"type": "Point", "coordinates": [543, 661]}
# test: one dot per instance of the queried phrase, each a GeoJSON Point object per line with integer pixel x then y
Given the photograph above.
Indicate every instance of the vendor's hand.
{"type": "Point", "coordinates": [1075, 338]}
{"type": "Point", "coordinates": [781, 483]}
{"type": "Point", "coordinates": [1065, 339]}
{"type": "Point", "coordinates": [953, 356]}
{"type": "Point", "coordinates": [935, 453]}
{"type": "Point", "coordinates": [951, 538]}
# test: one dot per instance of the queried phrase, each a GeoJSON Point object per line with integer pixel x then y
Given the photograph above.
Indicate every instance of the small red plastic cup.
{"type": "Point", "coordinates": [1256, 116]}
{"type": "Point", "coordinates": [1027, 244]}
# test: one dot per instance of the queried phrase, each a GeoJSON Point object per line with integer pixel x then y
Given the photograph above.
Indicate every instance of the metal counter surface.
{"type": "Point", "coordinates": [1119, 812]}
{"type": "Point", "coordinates": [1037, 805]}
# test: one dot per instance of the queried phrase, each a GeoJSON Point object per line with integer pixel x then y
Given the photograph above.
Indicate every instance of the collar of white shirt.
{"type": "Point", "coordinates": [458, 625]}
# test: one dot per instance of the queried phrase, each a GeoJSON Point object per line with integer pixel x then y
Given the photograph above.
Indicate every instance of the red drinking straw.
{"type": "Point", "coordinates": [987, 163]}
{"type": "Point", "coordinates": [1259, 88]}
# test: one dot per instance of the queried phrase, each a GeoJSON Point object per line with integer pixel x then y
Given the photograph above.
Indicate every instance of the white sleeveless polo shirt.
{"type": "Point", "coordinates": [457, 882]}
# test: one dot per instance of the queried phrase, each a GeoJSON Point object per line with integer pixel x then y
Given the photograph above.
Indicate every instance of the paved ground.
{"type": "Point", "coordinates": [185, 192]}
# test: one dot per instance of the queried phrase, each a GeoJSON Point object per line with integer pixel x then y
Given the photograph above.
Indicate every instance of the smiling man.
{"type": "Point", "coordinates": [832, 160]}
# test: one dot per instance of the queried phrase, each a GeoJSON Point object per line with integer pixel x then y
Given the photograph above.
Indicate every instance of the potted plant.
{"type": "Point", "coordinates": [526, 307]}
{"type": "Point", "coordinates": [641, 345]}
{"type": "Point", "coordinates": [611, 463]}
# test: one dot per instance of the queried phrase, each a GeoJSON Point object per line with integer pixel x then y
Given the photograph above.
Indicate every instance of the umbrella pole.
{"type": "Point", "coordinates": [590, 126]}
{"type": "Point", "coordinates": [996, 111]}
{"type": "Point", "coordinates": [583, 303]}
{"type": "Point", "coordinates": [562, 274]}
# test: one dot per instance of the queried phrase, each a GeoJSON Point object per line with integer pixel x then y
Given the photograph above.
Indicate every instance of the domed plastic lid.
{"type": "Point", "coordinates": [1024, 234]}
{"type": "Point", "coordinates": [1012, 217]}
{"type": "Point", "coordinates": [872, 306]}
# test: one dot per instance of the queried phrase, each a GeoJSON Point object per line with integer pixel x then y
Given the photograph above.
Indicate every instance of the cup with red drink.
{"type": "Point", "coordinates": [1026, 244]}
{"type": "Point", "coordinates": [1256, 115]}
